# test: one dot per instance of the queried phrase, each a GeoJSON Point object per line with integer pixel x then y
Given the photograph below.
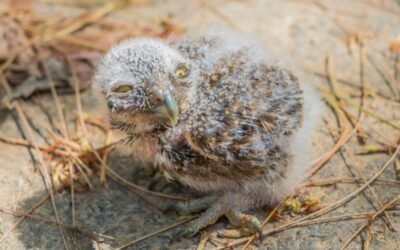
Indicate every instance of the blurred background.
{"type": "Point", "coordinates": [65, 184]}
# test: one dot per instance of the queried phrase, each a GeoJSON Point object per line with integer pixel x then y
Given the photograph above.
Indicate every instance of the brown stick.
{"type": "Point", "coordinates": [155, 233]}
{"type": "Point", "coordinates": [30, 211]}
{"type": "Point", "coordinates": [373, 218]}
{"type": "Point", "coordinates": [42, 164]}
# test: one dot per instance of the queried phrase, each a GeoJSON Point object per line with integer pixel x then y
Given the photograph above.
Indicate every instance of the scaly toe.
{"type": "Point", "coordinates": [190, 207]}
{"type": "Point", "coordinates": [247, 225]}
{"type": "Point", "coordinates": [209, 217]}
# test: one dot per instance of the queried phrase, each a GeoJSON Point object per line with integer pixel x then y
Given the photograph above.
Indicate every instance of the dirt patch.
{"type": "Point", "coordinates": [357, 40]}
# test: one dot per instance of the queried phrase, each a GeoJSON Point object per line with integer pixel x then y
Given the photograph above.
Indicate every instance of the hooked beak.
{"type": "Point", "coordinates": [169, 109]}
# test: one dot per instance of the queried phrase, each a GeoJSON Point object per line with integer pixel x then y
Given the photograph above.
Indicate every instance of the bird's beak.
{"type": "Point", "coordinates": [169, 109]}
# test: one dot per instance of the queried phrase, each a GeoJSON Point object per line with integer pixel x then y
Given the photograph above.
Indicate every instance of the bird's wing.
{"type": "Point", "coordinates": [241, 110]}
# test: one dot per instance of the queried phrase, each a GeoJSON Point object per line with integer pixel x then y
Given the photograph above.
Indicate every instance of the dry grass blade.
{"type": "Point", "coordinates": [346, 134]}
{"type": "Point", "coordinates": [13, 56]}
{"type": "Point", "coordinates": [344, 137]}
{"type": "Point", "coordinates": [371, 189]}
{"type": "Point", "coordinates": [357, 191]}
{"type": "Point", "coordinates": [20, 142]}
{"type": "Point", "coordinates": [56, 99]}
{"type": "Point", "coordinates": [356, 216]}
{"type": "Point", "coordinates": [155, 233]}
{"type": "Point", "coordinates": [299, 223]}
{"type": "Point", "coordinates": [369, 90]}
{"type": "Point", "coordinates": [120, 179]}
{"type": "Point", "coordinates": [386, 76]}
{"type": "Point", "coordinates": [30, 211]}
{"type": "Point", "coordinates": [332, 79]}
{"type": "Point", "coordinates": [87, 18]}
{"type": "Point", "coordinates": [83, 43]}
{"type": "Point", "coordinates": [87, 233]}
{"type": "Point", "coordinates": [368, 239]}
{"type": "Point", "coordinates": [370, 112]}
{"type": "Point", "coordinates": [42, 168]}
{"type": "Point", "coordinates": [72, 194]}
{"type": "Point", "coordinates": [334, 181]}
{"type": "Point", "coordinates": [373, 218]}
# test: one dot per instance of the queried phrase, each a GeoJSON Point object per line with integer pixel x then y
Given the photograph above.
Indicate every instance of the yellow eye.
{"type": "Point", "coordinates": [122, 89]}
{"type": "Point", "coordinates": [181, 71]}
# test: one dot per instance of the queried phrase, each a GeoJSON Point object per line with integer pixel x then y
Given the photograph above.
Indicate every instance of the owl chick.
{"type": "Point", "coordinates": [212, 114]}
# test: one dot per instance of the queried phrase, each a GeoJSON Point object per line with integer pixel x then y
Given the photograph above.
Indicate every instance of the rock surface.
{"type": "Point", "coordinates": [299, 33]}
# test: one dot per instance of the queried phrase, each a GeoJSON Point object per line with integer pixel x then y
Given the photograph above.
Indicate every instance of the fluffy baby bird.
{"type": "Point", "coordinates": [211, 113]}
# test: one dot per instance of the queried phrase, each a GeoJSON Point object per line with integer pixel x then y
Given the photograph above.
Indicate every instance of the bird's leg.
{"type": "Point", "coordinates": [192, 206]}
{"type": "Point", "coordinates": [209, 217]}
{"type": "Point", "coordinates": [246, 225]}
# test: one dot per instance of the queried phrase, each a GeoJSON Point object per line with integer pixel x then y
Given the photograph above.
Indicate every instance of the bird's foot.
{"type": "Point", "coordinates": [215, 208]}
{"type": "Point", "coordinates": [208, 217]}
{"type": "Point", "coordinates": [246, 225]}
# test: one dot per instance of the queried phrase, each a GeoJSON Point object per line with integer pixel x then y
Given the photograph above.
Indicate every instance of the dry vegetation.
{"type": "Point", "coordinates": [60, 55]}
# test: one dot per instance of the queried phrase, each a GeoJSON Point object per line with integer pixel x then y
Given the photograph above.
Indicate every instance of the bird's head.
{"type": "Point", "coordinates": [141, 80]}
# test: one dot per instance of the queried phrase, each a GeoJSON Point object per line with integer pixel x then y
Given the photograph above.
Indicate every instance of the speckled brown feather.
{"type": "Point", "coordinates": [237, 94]}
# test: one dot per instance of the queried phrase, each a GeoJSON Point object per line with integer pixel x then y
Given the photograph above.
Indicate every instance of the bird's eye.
{"type": "Point", "coordinates": [181, 71]}
{"type": "Point", "coordinates": [122, 89]}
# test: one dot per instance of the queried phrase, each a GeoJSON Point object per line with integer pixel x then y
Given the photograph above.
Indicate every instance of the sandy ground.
{"type": "Point", "coordinates": [299, 33]}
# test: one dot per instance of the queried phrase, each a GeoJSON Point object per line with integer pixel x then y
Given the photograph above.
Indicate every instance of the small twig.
{"type": "Point", "coordinates": [386, 76]}
{"type": "Point", "coordinates": [71, 176]}
{"type": "Point", "coordinates": [370, 221]}
{"type": "Point", "coordinates": [155, 233]}
{"type": "Point", "coordinates": [87, 233]}
{"type": "Point", "coordinates": [56, 99]}
{"type": "Point", "coordinates": [334, 181]}
{"type": "Point", "coordinates": [85, 19]}
{"type": "Point", "coordinates": [79, 164]}
{"type": "Point", "coordinates": [298, 223]}
{"type": "Point", "coordinates": [390, 224]}
{"type": "Point", "coordinates": [30, 211]}
{"type": "Point", "coordinates": [103, 171]}
{"type": "Point", "coordinates": [348, 83]}
{"type": "Point", "coordinates": [121, 180]}
{"type": "Point", "coordinates": [84, 43]}
{"type": "Point", "coordinates": [41, 162]}
{"type": "Point", "coordinates": [14, 55]}
{"type": "Point", "coordinates": [371, 189]}
{"type": "Point", "coordinates": [20, 142]}
{"type": "Point", "coordinates": [344, 137]}
{"type": "Point", "coordinates": [370, 113]}
{"type": "Point", "coordinates": [368, 239]}
{"type": "Point", "coordinates": [333, 83]}
{"type": "Point", "coordinates": [397, 168]}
